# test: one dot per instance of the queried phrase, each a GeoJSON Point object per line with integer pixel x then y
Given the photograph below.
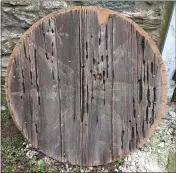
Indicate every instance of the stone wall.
{"type": "Point", "coordinates": [19, 15]}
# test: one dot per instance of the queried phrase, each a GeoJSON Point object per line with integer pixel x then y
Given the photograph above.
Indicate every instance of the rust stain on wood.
{"type": "Point", "coordinates": [86, 85]}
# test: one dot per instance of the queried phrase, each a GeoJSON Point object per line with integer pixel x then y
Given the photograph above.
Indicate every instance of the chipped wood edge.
{"type": "Point", "coordinates": [103, 16]}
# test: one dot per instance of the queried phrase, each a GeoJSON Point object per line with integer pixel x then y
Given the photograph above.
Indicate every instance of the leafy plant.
{"type": "Point", "coordinates": [41, 165]}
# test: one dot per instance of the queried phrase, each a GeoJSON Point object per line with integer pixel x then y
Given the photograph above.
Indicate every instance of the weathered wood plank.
{"type": "Point", "coordinates": [69, 81]}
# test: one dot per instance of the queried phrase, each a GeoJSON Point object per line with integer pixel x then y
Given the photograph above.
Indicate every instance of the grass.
{"type": "Point", "coordinates": [13, 159]}
{"type": "Point", "coordinates": [5, 115]}
{"type": "Point", "coordinates": [13, 155]}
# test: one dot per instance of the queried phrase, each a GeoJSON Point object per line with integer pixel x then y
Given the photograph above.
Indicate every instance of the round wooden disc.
{"type": "Point", "coordinates": [86, 85]}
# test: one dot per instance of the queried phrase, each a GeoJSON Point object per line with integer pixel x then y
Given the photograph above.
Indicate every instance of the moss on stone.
{"type": "Point", "coordinates": [167, 16]}
{"type": "Point", "coordinates": [171, 167]}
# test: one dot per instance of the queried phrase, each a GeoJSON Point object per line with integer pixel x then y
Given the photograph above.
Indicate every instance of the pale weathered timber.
{"type": "Point", "coordinates": [86, 86]}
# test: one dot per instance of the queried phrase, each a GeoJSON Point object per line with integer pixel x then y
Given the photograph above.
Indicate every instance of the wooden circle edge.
{"type": "Point", "coordinates": [103, 15]}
